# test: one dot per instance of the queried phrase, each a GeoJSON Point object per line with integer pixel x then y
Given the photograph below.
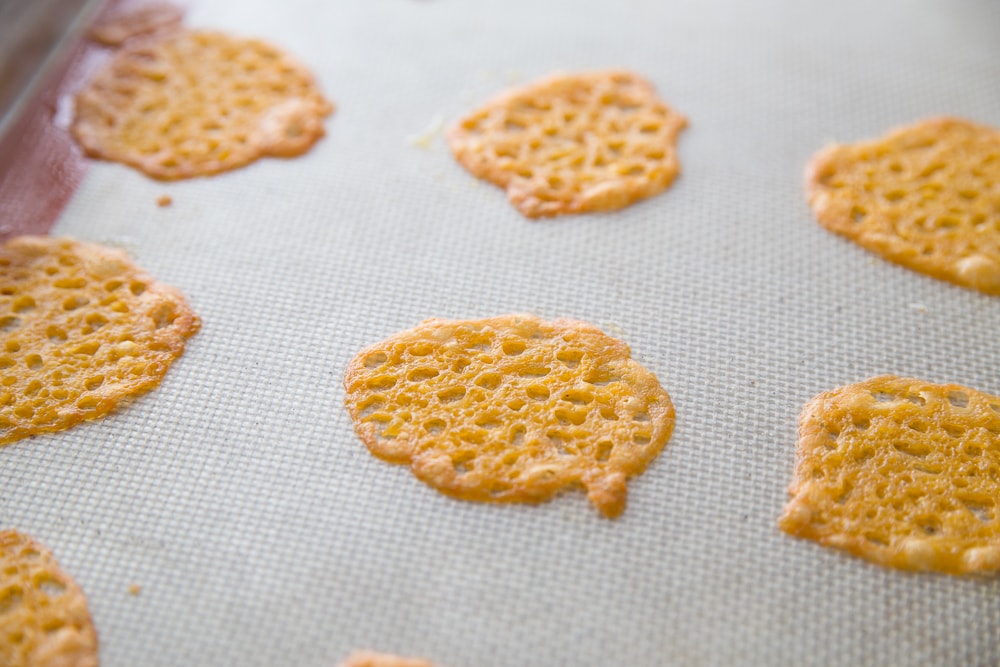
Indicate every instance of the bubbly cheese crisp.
{"type": "Point", "coordinates": [82, 329]}
{"type": "Point", "coordinates": [510, 409]}
{"type": "Point", "coordinates": [44, 621]}
{"type": "Point", "coordinates": [196, 102]}
{"type": "Point", "coordinates": [370, 659]}
{"type": "Point", "coordinates": [573, 143]}
{"type": "Point", "coordinates": [926, 196]}
{"type": "Point", "coordinates": [902, 472]}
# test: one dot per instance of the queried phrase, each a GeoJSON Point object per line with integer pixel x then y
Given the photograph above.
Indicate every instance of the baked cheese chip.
{"type": "Point", "coordinates": [510, 409]}
{"type": "Point", "coordinates": [902, 472]}
{"type": "Point", "coordinates": [44, 620]}
{"type": "Point", "coordinates": [370, 659]}
{"type": "Point", "coordinates": [925, 196]}
{"type": "Point", "coordinates": [197, 102]}
{"type": "Point", "coordinates": [573, 143]}
{"type": "Point", "coordinates": [82, 329]}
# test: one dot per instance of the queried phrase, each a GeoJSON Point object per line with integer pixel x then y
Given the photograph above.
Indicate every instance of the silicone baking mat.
{"type": "Point", "coordinates": [263, 533]}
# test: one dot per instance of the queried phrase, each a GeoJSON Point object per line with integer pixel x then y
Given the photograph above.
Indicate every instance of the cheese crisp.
{"type": "Point", "coordinates": [44, 620]}
{"type": "Point", "coordinates": [510, 409]}
{"type": "Point", "coordinates": [903, 473]}
{"type": "Point", "coordinates": [194, 103]}
{"type": "Point", "coordinates": [926, 196]}
{"type": "Point", "coordinates": [369, 659]}
{"type": "Point", "coordinates": [82, 329]}
{"type": "Point", "coordinates": [573, 143]}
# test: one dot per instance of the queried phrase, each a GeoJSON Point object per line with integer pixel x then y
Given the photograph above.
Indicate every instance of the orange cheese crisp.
{"type": "Point", "coordinates": [510, 409]}
{"type": "Point", "coordinates": [44, 620]}
{"type": "Point", "coordinates": [82, 329]}
{"type": "Point", "coordinates": [573, 143]}
{"type": "Point", "coordinates": [926, 196]}
{"type": "Point", "coordinates": [196, 102]}
{"type": "Point", "coordinates": [902, 472]}
{"type": "Point", "coordinates": [369, 659]}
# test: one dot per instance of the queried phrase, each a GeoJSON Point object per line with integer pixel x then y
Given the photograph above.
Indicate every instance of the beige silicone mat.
{"type": "Point", "coordinates": [261, 531]}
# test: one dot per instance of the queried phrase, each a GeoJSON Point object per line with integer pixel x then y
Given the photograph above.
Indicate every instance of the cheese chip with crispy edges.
{"type": "Point", "coordinates": [196, 102]}
{"type": "Point", "coordinates": [926, 196]}
{"type": "Point", "coordinates": [902, 472]}
{"type": "Point", "coordinates": [82, 329]}
{"type": "Point", "coordinates": [371, 659]}
{"type": "Point", "coordinates": [573, 143]}
{"type": "Point", "coordinates": [44, 621]}
{"type": "Point", "coordinates": [510, 409]}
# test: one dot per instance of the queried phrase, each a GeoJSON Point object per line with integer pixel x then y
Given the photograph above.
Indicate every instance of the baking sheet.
{"type": "Point", "coordinates": [263, 533]}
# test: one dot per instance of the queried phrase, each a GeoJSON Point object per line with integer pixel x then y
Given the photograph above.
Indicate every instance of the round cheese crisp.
{"type": "Point", "coordinates": [195, 102]}
{"type": "Point", "coordinates": [510, 409]}
{"type": "Point", "coordinates": [82, 329]}
{"type": "Point", "coordinates": [926, 196]}
{"type": "Point", "coordinates": [902, 472]}
{"type": "Point", "coordinates": [44, 621]}
{"type": "Point", "coordinates": [573, 143]}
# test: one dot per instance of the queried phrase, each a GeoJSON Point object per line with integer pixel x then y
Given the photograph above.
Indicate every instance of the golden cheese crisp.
{"type": "Point", "coordinates": [925, 196]}
{"type": "Point", "coordinates": [44, 620]}
{"type": "Point", "coordinates": [370, 659]}
{"type": "Point", "coordinates": [902, 472]}
{"type": "Point", "coordinates": [573, 143]}
{"type": "Point", "coordinates": [197, 102]}
{"type": "Point", "coordinates": [510, 409]}
{"type": "Point", "coordinates": [82, 329]}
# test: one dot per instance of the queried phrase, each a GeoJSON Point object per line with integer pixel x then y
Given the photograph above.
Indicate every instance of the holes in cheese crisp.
{"type": "Point", "coordinates": [883, 397]}
{"type": "Point", "coordinates": [604, 449]}
{"type": "Point", "coordinates": [451, 395]}
{"type": "Point", "coordinates": [608, 414]}
{"type": "Point", "coordinates": [533, 371]}
{"type": "Point", "coordinates": [515, 404]}
{"type": "Point", "coordinates": [381, 382]}
{"type": "Point", "coordinates": [74, 302]}
{"type": "Point", "coordinates": [513, 347]}
{"type": "Point", "coordinates": [537, 392]}
{"type": "Point", "coordinates": [94, 382]}
{"type": "Point", "coordinates": [55, 334]}
{"type": "Point", "coordinates": [421, 374]}
{"type": "Point", "coordinates": [88, 348]}
{"type": "Point", "coordinates": [74, 282]}
{"type": "Point", "coordinates": [641, 417]}
{"type": "Point", "coordinates": [571, 416]}
{"type": "Point", "coordinates": [23, 303]}
{"type": "Point", "coordinates": [434, 426]}
{"type": "Point", "coordinates": [489, 380]}
{"type": "Point", "coordinates": [376, 360]}
{"type": "Point", "coordinates": [912, 448]}
{"type": "Point", "coordinates": [641, 439]}
{"type": "Point", "coordinates": [571, 358]}
{"type": "Point", "coordinates": [137, 287]}
{"type": "Point", "coordinates": [96, 321]}
{"type": "Point", "coordinates": [895, 195]}
{"type": "Point", "coordinates": [10, 598]}
{"type": "Point", "coordinates": [6, 362]}
{"type": "Point", "coordinates": [858, 214]}
{"type": "Point", "coordinates": [578, 397]}
{"type": "Point", "coordinates": [50, 586]}
{"type": "Point", "coordinates": [958, 399]}
{"type": "Point", "coordinates": [9, 323]}
{"type": "Point", "coordinates": [34, 361]}
{"type": "Point", "coordinates": [420, 349]}
{"type": "Point", "coordinates": [601, 377]}
{"type": "Point", "coordinates": [164, 314]}
{"type": "Point", "coordinates": [489, 422]}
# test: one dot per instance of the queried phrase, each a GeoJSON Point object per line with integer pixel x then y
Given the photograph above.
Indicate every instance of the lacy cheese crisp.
{"type": "Point", "coordinates": [44, 621]}
{"type": "Point", "coordinates": [370, 659]}
{"type": "Point", "coordinates": [82, 329]}
{"type": "Point", "coordinates": [926, 196]}
{"type": "Point", "coordinates": [573, 143]}
{"type": "Point", "coordinates": [510, 409]}
{"type": "Point", "coordinates": [197, 102]}
{"type": "Point", "coordinates": [902, 472]}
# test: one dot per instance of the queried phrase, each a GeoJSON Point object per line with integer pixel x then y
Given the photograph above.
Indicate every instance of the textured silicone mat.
{"type": "Point", "coordinates": [261, 530]}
